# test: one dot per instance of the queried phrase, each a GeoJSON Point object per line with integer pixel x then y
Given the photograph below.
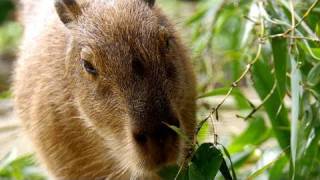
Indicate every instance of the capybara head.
{"type": "Point", "coordinates": [130, 79]}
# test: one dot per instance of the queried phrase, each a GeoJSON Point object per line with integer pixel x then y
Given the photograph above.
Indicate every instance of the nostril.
{"type": "Point", "coordinates": [175, 122]}
{"type": "Point", "coordinates": [165, 131]}
{"type": "Point", "coordinates": [141, 138]}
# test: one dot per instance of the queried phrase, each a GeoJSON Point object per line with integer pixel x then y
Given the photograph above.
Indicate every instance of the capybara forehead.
{"type": "Point", "coordinates": [124, 21]}
{"type": "Point", "coordinates": [122, 31]}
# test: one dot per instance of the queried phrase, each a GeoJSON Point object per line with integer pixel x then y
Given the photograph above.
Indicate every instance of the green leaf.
{"type": "Point", "coordinates": [277, 170]}
{"type": "Point", "coordinates": [277, 113]}
{"type": "Point", "coordinates": [255, 134]}
{"type": "Point", "coordinates": [195, 173]}
{"type": "Point", "coordinates": [280, 58]}
{"type": "Point", "coordinates": [203, 132]}
{"type": "Point", "coordinates": [197, 15]}
{"type": "Point", "coordinates": [316, 51]}
{"type": "Point", "coordinates": [204, 165]}
{"type": "Point", "coordinates": [308, 162]}
{"type": "Point", "coordinates": [225, 170]}
{"type": "Point", "coordinates": [314, 75]}
{"type": "Point", "coordinates": [170, 173]}
{"type": "Point", "coordinates": [295, 93]}
{"type": "Point", "coordinates": [239, 159]}
{"type": "Point", "coordinates": [317, 30]}
{"type": "Point", "coordinates": [5, 95]}
{"type": "Point", "coordinates": [264, 168]}
{"type": "Point", "coordinates": [206, 161]}
{"type": "Point", "coordinates": [227, 154]}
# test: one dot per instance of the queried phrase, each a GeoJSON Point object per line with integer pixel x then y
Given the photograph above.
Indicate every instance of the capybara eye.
{"type": "Point", "coordinates": [137, 67]}
{"type": "Point", "coordinates": [88, 67]}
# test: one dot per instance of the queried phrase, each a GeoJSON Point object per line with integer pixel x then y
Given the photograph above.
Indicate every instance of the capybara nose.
{"type": "Point", "coordinates": [159, 134]}
{"type": "Point", "coordinates": [140, 137]}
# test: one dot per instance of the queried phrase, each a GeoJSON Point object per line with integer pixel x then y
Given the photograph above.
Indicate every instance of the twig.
{"type": "Point", "coordinates": [251, 20]}
{"type": "Point", "coordinates": [251, 104]}
{"type": "Point", "coordinates": [293, 25]}
{"type": "Point", "coordinates": [10, 127]}
{"type": "Point", "coordinates": [302, 19]}
{"type": "Point", "coordinates": [281, 35]}
{"type": "Point", "coordinates": [254, 110]}
{"type": "Point", "coordinates": [180, 169]}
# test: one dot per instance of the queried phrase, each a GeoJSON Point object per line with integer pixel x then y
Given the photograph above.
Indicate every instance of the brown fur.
{"type": "Point", "coordinates": [109, 125]}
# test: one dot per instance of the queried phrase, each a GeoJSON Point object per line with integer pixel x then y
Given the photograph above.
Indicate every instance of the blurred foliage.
{"type": "Point", "coordinates": [10, 33]}
{"type": "Point", "coordinates": [5, 95]}
{"type": "Point", "coordinates": [19, 168]}
{"type": "Point", "coordinates": [271, 47]}
{"type": "Point", "coordinates": [6, 7]}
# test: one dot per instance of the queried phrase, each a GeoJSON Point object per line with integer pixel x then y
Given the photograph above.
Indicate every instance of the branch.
{"type": "Point", "coordinates": [281, 35]}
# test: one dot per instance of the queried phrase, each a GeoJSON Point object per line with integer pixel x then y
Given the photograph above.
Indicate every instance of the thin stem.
{"type": "Point", "coordinates": [306, 14]}
{"type": "Point", "coordinates": [293, 26]}
{"type": "Point", "coordinates": [251, 20]}
{"type": "Point", "coordinates": [281, 35]}
{"type": "Point", "coordinates": [260, 105]}
{"type": "Point", "coordinates": [180, 169]}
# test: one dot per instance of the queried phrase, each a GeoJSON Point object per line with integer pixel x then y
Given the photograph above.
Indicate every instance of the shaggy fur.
{"type": "Point", "coordinates": [109, 125]}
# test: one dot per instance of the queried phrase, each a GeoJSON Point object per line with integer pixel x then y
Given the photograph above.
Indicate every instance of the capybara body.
{"type": "Point", "coordinates": [96, 85]}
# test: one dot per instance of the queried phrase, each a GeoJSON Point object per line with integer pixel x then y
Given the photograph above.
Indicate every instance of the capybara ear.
{"type": "Point", "coordinates": [150, 2]}
{"type": "Point", "coordinates": [68, 10]}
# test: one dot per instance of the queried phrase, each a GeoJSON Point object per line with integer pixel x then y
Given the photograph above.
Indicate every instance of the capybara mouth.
{"type": "Point", "coordinates": [157, 154]}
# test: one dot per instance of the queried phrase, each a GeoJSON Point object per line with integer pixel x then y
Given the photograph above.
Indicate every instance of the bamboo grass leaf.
{"type": "Point", "coordinates": [295, 109]}
{"type": "Point", "coordinates": [265, 167]}
{"type": "Point", "coordinates": [263, 82]}
{"type": "Point", "coordinates": [207, 161]}
{"type": "Point", "coordinates": [280, 58]}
